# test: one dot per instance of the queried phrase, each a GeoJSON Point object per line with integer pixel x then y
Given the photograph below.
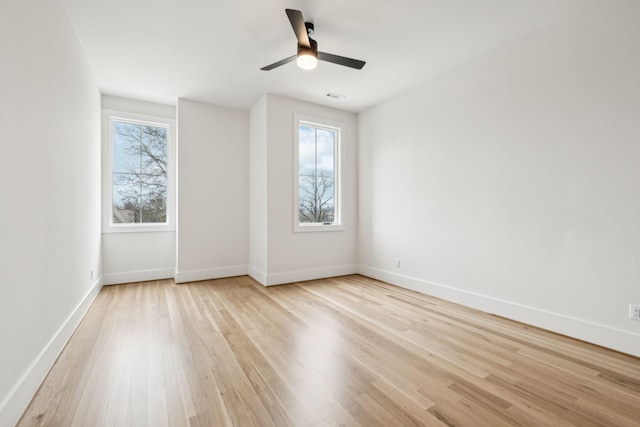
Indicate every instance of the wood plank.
{"type": "Point", "coordinates": [342, 351]}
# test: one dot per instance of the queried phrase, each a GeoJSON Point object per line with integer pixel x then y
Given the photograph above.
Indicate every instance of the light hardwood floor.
{"type": "Point", "coordinates": [346, 351]}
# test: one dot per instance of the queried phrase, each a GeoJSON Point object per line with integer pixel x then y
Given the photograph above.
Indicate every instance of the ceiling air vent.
{"type": "Point", "coordinates": [334, 95]}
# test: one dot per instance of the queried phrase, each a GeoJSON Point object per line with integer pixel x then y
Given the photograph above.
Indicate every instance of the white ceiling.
{"type": "Point", "coordinates": [212, 50]}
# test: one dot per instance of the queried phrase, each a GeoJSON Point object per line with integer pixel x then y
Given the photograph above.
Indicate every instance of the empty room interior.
{"type": "Point", "coordinates": [320, 213]}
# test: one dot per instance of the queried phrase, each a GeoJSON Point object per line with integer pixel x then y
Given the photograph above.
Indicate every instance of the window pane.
{"type": "Point", "coordinates": [139, 193]}
{"type": "Point", "coordinates": [154, 150]}
{"type": "Point", "coordinates": [306, 199]}
{"type": "Point", "coordinates": [124, 199]}
{"type": "Point", "coordinates": [316, 201]}
{"type": "Point", "coordinates": [125, 155]}
{"type": "Point", "coordinates": [325, 146]}
{"type": "Point", "coordinates": [307, 150]}
{"type": "Point", "coordinates": [316, 174]}
{"type": "Point", "coordinates": [153, 201]}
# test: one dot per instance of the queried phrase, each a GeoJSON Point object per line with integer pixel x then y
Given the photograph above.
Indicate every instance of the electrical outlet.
{"type": "Point", "coordinates": [397, 262]}
{"type": "Point", "coordinates": [634, 311]}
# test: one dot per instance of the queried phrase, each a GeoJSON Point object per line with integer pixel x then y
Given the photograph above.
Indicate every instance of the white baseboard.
{"type": "Point", "coordinates": [310, 274]}
{"type": "Point", "coordinates": [258, 275]}
{"type": "Point", "coordinates": [616, 339]}
{"type": "Point", "coordinates": [18, 399]}
{"type": "Point", "coordinates": [211, 273]}
{"type": "Point", "coordinates": [138, 276]}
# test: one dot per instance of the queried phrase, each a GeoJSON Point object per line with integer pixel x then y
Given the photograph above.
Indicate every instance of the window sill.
{"type": "Point", "coordinates": [305, 228]}
{"type": "Point", "coordinates": [137, 228]}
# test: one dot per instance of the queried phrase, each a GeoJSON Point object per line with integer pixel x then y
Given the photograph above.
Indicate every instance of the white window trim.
{"type": "Point", "coordinates": [337, 225]}
{"type": "Point", "coordinates": [107, 172]}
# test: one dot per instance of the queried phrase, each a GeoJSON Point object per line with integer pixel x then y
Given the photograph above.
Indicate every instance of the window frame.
{"type": "Point", "coordinates": [108, 226]}
{"type": "Point", "coordinates": [339, 128]}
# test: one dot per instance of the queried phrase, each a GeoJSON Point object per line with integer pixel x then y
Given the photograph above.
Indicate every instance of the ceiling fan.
{"type": "Point", "coordinates": [308, 55]}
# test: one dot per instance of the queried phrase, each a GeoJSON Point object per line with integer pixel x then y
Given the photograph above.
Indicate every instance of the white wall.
{"type": "Point", "coordinates": [119, 103]}
{"type": "Point", "coordinates": [294, 256]}
{"type": "Point", "coordinates": [136, 257]}
{"type": "Point", "coordinates": [50, 209]}
{"type": "Point", "coordinates": [258, 190]}
{"type": "Point", "coordinates": [131, 257]}
{"type": "Point", "coordinates": [213, 191]}
{"type": "Point", "coordinates": [512, 183]}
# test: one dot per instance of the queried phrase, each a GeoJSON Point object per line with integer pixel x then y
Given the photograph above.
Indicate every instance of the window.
{"type": "Point", "coordinates": [139, 182]}
{"type": "Point", "coordinates": [317, 184]}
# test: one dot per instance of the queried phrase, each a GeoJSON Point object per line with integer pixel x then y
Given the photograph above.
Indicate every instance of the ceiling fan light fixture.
{"type": "Point", "coordinates": [307, 58]}
{"type": "Point", "coordinates": [308, 55]}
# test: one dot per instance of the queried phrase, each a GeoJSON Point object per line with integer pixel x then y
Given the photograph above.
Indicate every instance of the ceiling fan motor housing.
{"type": "Point", "coordinates": [310, 28]}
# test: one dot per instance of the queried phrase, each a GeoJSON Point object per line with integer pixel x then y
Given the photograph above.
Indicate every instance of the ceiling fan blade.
{"type": "Point", "coordinates": [341, 60]}
{"type": "Point", "coordinates": [297, 23]}
{"type": "Point", "coordinates": [279, 63]}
